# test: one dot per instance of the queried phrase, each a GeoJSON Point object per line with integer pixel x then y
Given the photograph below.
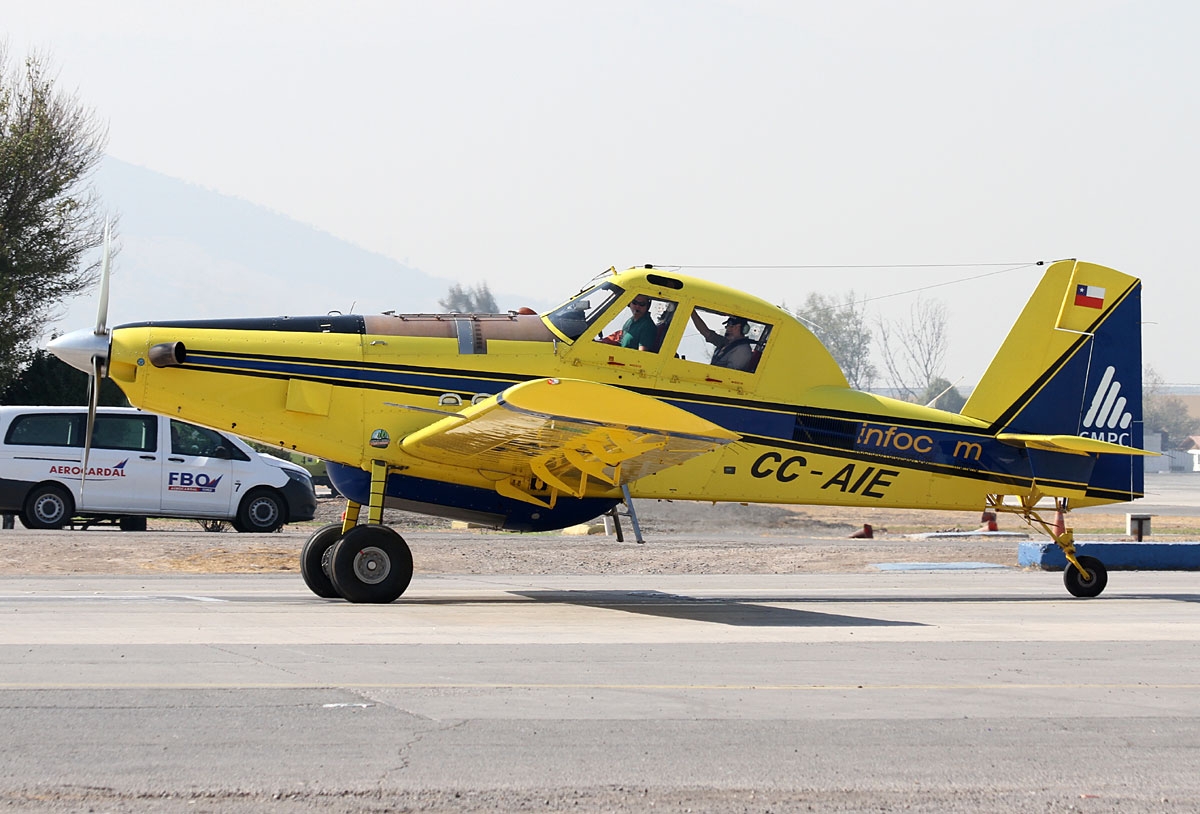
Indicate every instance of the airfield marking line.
{"type": "Point", "coordinates": [130, 597]}
{"type": "Point", "coordinates": [571, 686]}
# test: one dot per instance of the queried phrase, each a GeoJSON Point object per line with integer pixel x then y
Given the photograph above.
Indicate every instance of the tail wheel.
{"type": "Point", "coordinates": [47, 507]}
{"type": "Point", "coordinates": [314, 560]}
{"type": "Point", "coordinates": [371, 564]}
{"type": "Point", "coordinates": [261, 511]}
{"type": "Point", "coordinates": [1093, 585]}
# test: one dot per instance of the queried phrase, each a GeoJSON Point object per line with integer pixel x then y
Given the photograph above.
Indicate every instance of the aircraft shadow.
{"type": "Point", "coordinates": [724, 611]}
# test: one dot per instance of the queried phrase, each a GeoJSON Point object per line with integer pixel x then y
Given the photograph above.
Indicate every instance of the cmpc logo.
{"type": "Point", "coordinates": [1107, 418]}
{"type": "Point", "coordinates": [192, 482]}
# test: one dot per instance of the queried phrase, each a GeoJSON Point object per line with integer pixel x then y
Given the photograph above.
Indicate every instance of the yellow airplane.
{"type": "Point", "coordinates": [646, 384]}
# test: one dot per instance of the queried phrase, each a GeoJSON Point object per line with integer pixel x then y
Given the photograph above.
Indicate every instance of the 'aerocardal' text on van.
{"type": "Point", "coordinates": [140, 465]}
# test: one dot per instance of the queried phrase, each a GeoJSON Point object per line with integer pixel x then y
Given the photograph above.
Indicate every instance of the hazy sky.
{"type": "Point", "coordinates": [533, 144]}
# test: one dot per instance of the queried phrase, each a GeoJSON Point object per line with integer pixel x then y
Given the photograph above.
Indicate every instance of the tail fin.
{"type": "Point", "coordinates": [1072, 365]}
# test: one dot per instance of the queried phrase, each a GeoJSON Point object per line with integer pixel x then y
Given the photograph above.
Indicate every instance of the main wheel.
{"type": "Point", "coordinates": [371, 563]}
{"type": "Point", "coordinates": [1093, 585]}
{"type": "Point", "coordinates": [47, 507]}
{"type": "Point", "coordinates": [261, 511]}
{"type": "Point", "coordinates": [314, 560]}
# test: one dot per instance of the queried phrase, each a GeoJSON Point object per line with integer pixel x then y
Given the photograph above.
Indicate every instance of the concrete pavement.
{"type": "Point", "coordinates": [949, 691]}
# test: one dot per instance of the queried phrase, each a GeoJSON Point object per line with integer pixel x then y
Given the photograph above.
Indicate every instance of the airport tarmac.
{"type": "Point", "coordinates": [986, 689]}
{"type": "Point", "coordinates": [1166, 493]}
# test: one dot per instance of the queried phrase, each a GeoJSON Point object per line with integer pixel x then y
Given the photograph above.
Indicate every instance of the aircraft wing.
{"type": "Point", "coordinates": [544, 437]}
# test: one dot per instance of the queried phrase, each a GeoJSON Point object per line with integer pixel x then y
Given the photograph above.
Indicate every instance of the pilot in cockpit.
{"type": "Point", "coordinates": [733, 349]}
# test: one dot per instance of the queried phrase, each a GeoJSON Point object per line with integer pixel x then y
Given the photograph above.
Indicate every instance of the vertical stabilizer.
{"type": "Point", "coordinates": [1072, 364]}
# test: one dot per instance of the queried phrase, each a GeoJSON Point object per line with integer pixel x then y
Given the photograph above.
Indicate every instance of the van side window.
{"type": "Point", "coordinates": [46, 430]}
{"type": "Point", "coordinates": [133, 432]}
{"type": "Point", "coordinates": [188, 439]}
{"type": "Point", "coordinates": [138, 433]}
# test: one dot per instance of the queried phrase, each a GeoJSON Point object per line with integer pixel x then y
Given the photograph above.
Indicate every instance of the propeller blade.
{"type": "Point", "coordinates": [102, 307]}
{"type": "Point", "coordinates": [93, 405]}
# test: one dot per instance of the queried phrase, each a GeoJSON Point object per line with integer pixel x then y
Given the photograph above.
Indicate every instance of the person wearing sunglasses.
{"type": "Point", "coordinates": [640, 331]}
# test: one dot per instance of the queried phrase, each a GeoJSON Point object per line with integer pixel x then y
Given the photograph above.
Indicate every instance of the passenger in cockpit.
{"type": "Point", "coordinates": [640, 331]}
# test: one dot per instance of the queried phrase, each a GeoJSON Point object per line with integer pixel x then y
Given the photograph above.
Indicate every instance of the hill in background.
{"type": "Point", "coordinates": [190, 253]}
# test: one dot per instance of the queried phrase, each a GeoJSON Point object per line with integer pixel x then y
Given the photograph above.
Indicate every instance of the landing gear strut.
{"type": "Point", "coordinates": [1084, 576]}
{"type": "Point", "coordinates": [367, 563]}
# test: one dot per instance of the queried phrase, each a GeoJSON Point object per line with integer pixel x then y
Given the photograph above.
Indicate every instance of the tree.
{"type": "Point", "coordinates": [943, 395]}
{"type": "Point", "coordinates": [48, 380]}
{"type": "Point", "coordinates": [1162, 412]}
{"type": "Point", "coordinates": [914, 351]}
{"type": "Point", "coordinates": [49, 217]}
{"type": "Point", "coordinates": [476, 300]}
{"type": "Point", "coordinates": [842, 329]}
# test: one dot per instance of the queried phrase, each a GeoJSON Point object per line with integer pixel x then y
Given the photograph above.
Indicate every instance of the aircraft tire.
{"type": "Point", "coordinates": [314, 560]}
{"type": "Point", "coordinates": [47, 507]}
{"type": "Point", "coordinates": [260, 511]}
{"type": "Point", "coordinates": [371, 564]}
{"type": "Point", "coordinates": [1078, 586]}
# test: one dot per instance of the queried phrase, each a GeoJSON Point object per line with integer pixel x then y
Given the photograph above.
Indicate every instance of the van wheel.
{"type": "Point", "coordinates": [132, 523]}
{"type": "Point", "coordinates": [47, 507]}
{"type": "Point", "coordinates": [261, 511]}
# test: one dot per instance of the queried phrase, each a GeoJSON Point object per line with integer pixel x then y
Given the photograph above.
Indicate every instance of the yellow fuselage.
{"type": "Point", "coordinates": [348, 389]}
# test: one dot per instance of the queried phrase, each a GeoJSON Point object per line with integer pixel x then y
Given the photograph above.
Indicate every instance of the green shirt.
{"type": "Point", "coordinates": [639, 333]}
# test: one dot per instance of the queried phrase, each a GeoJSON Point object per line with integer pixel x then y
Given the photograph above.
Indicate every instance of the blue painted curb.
{"type": "Point", "coordinates": [1115, 556]}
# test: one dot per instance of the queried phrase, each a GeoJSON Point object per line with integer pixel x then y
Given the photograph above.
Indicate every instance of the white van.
{"type": "Point", "coordinates": [140, 465]}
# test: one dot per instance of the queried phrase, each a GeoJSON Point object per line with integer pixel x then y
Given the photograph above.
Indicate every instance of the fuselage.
{"type": "Point", "coordinates": [349, 388]}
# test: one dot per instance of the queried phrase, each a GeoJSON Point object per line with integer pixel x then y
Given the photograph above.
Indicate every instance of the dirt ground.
{"type": "Point", "coordinates": [681, 538]}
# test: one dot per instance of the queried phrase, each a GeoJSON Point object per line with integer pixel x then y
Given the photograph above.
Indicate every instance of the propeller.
{"type": "Point", "coordinates": [93, 405]}
{"type": "Point", "coordinates": [87, 350]}
{"type": "Point", "coordinates": [102, 306]}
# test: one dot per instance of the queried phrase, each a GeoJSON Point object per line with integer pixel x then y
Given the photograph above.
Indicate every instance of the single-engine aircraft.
{"type": "Point", "coordinates": [535, 422]}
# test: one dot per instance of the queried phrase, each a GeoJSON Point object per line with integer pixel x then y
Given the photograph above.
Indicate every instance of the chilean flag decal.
{"type": "Point", "coordinates": [1089, 296]}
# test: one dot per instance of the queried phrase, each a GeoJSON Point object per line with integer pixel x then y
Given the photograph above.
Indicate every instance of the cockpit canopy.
{"type": "Point", "coordinates": [685, 323]}
{"type": "Point", "coordinates": [576, 316]}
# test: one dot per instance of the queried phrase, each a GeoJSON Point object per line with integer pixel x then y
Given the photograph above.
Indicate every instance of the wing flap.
{"type": "Point", "coordinates": [565, 433]}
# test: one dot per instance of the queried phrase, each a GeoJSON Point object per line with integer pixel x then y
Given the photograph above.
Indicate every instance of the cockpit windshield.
{"type": "Point", "coordinates": [575, 317]}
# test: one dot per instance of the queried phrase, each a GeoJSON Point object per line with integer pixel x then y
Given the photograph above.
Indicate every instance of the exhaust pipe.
{"type": "Point", "coordinates": [167, 354]}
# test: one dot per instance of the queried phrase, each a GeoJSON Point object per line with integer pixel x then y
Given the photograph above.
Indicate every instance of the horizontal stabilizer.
{"type": "Point", "coordinates": [1077, 444]}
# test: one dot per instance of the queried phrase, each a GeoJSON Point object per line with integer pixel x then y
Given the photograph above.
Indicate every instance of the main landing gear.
{"type": "Point", "coordinates": [368, 563]}
{"type": "Point", "coordinates": [1084, 576]}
